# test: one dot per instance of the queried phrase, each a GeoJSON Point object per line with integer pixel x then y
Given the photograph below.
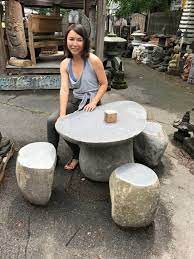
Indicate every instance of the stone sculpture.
{"type": "Point", "coordinates": [134, 191]}
{"type": "Point", "coordinates": [112, 51]}
{"type": "Point", "coordinates": [15, 29]}
{"type": "Point", "coordinates": [119, 81]}
{"type": "Point", "coordinates": [75, 16]}
{"type": "Point", "coordinates": [168, 56]}
{"type": "Point", "coordinates": [157, 57]}
{"type": "Point", "coordinates": [138, 53]}
{"type": "Point", "coordinates": [185, 126]}
{"type": "Point", "coordinates": [125, 32]}
{"type": "Point", "coordinates": [187, 66]}
{"type": "Point", "coordinates": [6, 151]}
{"type": "Point", "coordinates": [147, 53]}
{"type": "Point", "coordinates": [173, 66]}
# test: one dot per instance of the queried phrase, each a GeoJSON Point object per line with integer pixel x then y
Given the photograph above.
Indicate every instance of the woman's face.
{"type": "Point", "coordinates": [75, 43]}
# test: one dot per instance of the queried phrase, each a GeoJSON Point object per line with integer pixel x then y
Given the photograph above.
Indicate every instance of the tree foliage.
{"type": "Point", "coordinates": [126, 7]}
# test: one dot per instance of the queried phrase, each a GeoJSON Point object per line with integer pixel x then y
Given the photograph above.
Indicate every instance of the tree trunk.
{"type": "Point", "coordinates": [15, 29]}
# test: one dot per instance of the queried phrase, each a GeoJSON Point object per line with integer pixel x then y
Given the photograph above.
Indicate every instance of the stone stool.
{"type": "Point", "coordinates": [150, 144]}
{"type": "Point", "coordinates": [134, 191]}
{"type": "Point", "coordinates": [35, 171]}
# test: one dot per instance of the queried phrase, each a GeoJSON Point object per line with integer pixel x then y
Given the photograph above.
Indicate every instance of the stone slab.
{"type": "Point", "coordinates": [29, 82]}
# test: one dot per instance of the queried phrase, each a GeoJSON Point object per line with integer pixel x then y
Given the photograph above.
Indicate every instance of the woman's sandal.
{"type": "Point", "coordinates": [72, 164]}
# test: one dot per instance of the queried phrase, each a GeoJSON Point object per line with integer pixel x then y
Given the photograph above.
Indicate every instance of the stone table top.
{"type": "Point", "coordinates": [90, 127]}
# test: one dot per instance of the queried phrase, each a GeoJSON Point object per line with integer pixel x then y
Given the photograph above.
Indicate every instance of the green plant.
{"type": "Point", "coordinates": [127, 7]}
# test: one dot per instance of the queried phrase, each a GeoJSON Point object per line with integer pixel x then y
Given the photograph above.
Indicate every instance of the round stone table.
{"type": "Point", "coordinates": [103, 146]}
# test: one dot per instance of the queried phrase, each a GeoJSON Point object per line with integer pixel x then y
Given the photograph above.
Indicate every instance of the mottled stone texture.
{"type": "Point", "coordinates": [35, 171]}
{"type": "Point", "coordinates": [15, 29]}
{"type": "Point", "coordinates": [134, 191]}
{"type": "Point", "coordinates": [103, 146]}
{"type": "Point", "coordinates": [97, 163]}
{"type": "Point", "coordinates": [150, 144]}
{"type": "Point", "coordinates": [27, 82]}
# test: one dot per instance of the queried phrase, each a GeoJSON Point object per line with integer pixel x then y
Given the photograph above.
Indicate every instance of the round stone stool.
{"type": "Point", "coordinates": [35, 171]}
{"type": "Point", "coordinates": [134, 191]}
{"type": "Point", "coordinates": [150, 144]}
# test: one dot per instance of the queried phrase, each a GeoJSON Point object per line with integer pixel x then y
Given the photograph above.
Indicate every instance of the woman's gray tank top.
{"type": "Point", "coordinates": [86, 87]}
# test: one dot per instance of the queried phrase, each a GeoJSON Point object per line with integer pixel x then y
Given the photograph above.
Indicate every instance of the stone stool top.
{"type": "Point", "coordinates": [38, 155]}
{"type": "Point", "coordinates": [152, 128]}
{"type": "Point", "coordinates": [90, 127]}
{"type": "Point", "coordinates": [136, 174]}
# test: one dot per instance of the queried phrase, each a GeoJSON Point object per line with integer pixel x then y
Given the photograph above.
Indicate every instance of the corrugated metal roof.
{"type": "Point", "coordinates": [68, 4]}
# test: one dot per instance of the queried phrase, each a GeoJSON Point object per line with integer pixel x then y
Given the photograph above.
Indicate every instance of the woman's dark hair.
{"type": "Point", "coordinates": [79, 29]}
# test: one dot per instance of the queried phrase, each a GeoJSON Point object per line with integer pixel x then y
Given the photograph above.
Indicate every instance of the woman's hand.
{"type": "Point", "coordinates": [89, 107]}
{"type": "Point", "coordinates": [60, 117]}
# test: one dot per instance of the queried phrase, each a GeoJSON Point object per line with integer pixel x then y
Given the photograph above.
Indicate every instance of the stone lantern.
{"type": "Point", "coordinates": [137, 38]}
{"type": "Point", "coordinates": [113, 47]}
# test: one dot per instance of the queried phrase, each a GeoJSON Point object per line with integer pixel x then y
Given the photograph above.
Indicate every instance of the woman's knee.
{"type": "Point", "coordinates": [52, 119]}
{"type": "Point", "coordinates": [71, 107]}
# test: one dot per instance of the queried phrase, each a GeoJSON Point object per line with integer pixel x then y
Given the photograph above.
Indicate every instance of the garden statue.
{"type": "Point", "coordinates": [6, 152]}
{"type": "Point", "coordinates": [125, 32]}
{"type": "Point", "coordinates": [147, 52]}
{"type": "Point", "coordinates": [75, 16]}
{"type": "Point", "coordinates": [119, 81]}
{"type": "Point", "coordinates": [168, 56]}
{"type": "Point", "coordinates": [187, 66]}
{"type": "Point", "coordinates": [157, 57]}
{"type": "Point", "coordinates": [138, 53]}
{"type": "Point", "coordinates": [173, 66]}
{"type": "Point", "coordinates": [15, 29]}
{"type": "Point", "coordinates": [184, 126]}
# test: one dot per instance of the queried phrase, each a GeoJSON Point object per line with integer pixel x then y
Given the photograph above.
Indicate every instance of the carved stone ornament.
{"type": "Point", "coordinates": [76, 17]}
{"type": "Point", "coordinates": [15, 29]}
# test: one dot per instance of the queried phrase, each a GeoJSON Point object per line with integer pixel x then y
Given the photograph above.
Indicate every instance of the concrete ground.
{"type": "Point", "coordinates": [77, 222]}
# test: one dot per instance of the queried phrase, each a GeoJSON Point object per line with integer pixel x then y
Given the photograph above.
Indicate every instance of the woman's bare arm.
{"type": "Point", "coordinates": [64, 90]}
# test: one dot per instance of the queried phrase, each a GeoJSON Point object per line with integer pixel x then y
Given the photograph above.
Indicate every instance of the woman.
{"type": "Point", "coordinates": [84, 73]}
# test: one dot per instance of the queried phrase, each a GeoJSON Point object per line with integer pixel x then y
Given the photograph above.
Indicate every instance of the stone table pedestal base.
{"type": "Point", "coordinates": [98, 162]}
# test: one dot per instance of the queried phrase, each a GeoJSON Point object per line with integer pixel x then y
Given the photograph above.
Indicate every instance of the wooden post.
{"type": "Point", "coordinates": [101, 14]}
{"type": "Point", "coordinates": [2, 44]}
{"type": "Point", "coordinates": [92, 17]}
{"type": "Point", "coordinates": [86, 7]}
{"type": "Point", "coordinates": [148, 22]}
{"type": "Point", "coordinates": [31, 41]}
